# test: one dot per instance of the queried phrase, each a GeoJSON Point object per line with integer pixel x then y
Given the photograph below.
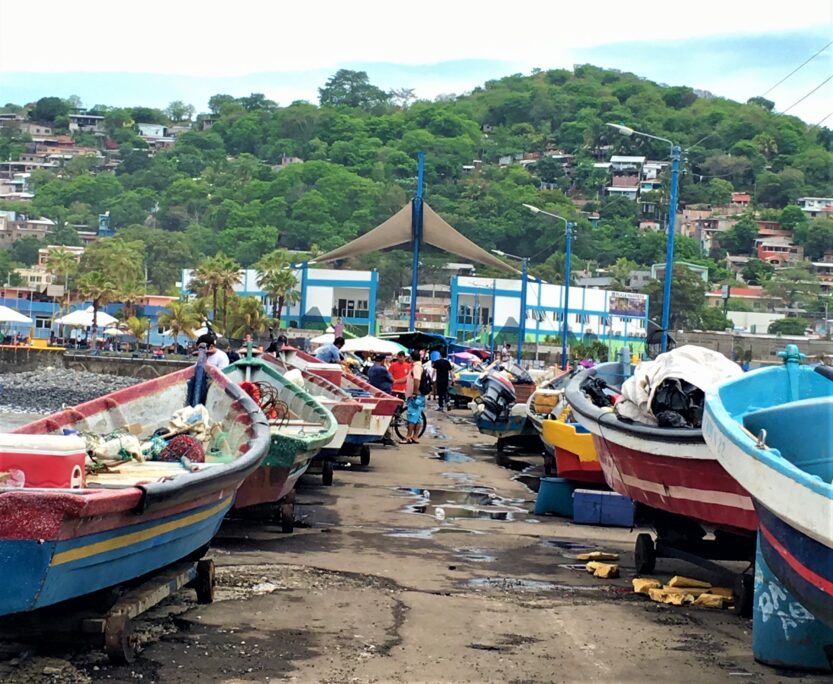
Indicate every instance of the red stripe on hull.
{"type": "Point", "coordinates": [802, 570]}
{"type": "Point", "coordinates": [571, 467]}
{"type": "Point", "coordinates": [694, 488]}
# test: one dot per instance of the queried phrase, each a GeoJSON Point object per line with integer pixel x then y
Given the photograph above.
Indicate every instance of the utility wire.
{"type": "Point", "coordinates": [824, 119]}
{"type": "Point", "coordinates": [829, 78]}
{"type": "Point", "coordinates": [800, 66]}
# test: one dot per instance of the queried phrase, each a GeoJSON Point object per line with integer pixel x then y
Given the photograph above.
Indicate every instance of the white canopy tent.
{"type": "Point", "coordinates": [373, 345]}
{"type": "Point", "coordinates": [8, 315]}
{"type": "Point", "coordinates": [84, 319]}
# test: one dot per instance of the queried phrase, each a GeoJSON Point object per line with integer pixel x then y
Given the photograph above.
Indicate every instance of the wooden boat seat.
{"type": "Point", "coordinates": [131, 473]}
{"type": "Point", "coordinates": [802, 431]}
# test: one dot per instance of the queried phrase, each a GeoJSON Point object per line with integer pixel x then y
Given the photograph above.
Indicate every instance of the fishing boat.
{"type": "Point", "coordinates": [352, 416]}
{"type": "Point", "coordinates": [679, 486]}
{"type": "Point", "coordinates": [498, 414]}
{"type": "Point", "coordinates": [71, 525]}
{"type": "Point", "coordinates": [383, 405]}
{"type": "Point", "coordinates": [299, 425]}
{"type": "Point", "coordinates": [772, 430]}
{"type": "Point", "coordinates": [572, 447]}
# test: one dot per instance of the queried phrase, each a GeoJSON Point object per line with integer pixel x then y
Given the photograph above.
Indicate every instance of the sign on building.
{"type": "Point", "coordinates": [627, 304]}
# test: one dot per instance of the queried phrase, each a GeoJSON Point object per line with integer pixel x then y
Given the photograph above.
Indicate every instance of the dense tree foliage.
{"type": "Point", "coordinates": [230, 190]}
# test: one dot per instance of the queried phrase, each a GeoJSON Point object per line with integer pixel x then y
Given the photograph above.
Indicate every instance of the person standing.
{"type": "Point", "coordinates": [444, 376]}
{"type": "Point", "coordinates": [379, 376]}
{"type": "Point", "coordinates": [415, 402]}
{"type": "Point", "coordinates": [400, 369]}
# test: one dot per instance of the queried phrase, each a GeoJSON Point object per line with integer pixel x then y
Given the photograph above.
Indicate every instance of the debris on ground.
{"type": "Point", "coordinates": [680, 581]}
{"type": "Point", "coordinates": [683, 590]}
{"type": "Point", "coordinates": [603, 570]}
{"type": "Point", "coordinates": [641, 585]}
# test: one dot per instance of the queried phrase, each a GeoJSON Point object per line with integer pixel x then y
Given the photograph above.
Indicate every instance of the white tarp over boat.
{"type": "Point", "coordinates": [701, 367]}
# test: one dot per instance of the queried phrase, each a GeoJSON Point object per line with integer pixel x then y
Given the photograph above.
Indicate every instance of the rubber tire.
{"type": "Point", "coordinates": [204, 581]}
{"type": "Point", "coordinates": [644, 554]}
{"type": "Point", "coordinates": [743, 594]}
{"type": "Point", "coordinates": [549, 465]}
{"type": "Point", "coordinates": [364, 455]}
{"type": "Point", "coordinates": [500, 446]}
{"type": "Point", "coordinates": [327, 473]}
{"type": "Point", "coordinates": [400, 427]}
{"type": "Point", "coordinates": [118, 631]}
{"type": "Point", "coordinates": [424, 425]}
{"type": "Point", "coordinates": [287, 508]}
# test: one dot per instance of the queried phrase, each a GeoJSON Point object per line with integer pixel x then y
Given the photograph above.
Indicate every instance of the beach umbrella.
{"type": "Point", "coordinates": [373, 345]}
{"type": "Point", "coordinates": [83, 318]}
{"type": "Point", "coordinates": [326, 338]}
{"type": "Point", "coordinates": [8, 315]}
{"type": "Point", "coordinates": [114, 332]}
{"type": "Point", "coordinates": [465, 356]}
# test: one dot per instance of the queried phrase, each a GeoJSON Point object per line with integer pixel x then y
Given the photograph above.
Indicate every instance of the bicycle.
{"type": "Point", "coordinates": [400, 425]}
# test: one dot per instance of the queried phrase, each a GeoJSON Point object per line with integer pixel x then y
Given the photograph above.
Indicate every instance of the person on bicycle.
{"type": "Point", "coordinates": [415, 403]}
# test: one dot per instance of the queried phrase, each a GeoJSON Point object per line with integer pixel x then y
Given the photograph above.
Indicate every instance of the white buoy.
{"type": "Point", "coordinates": [439, 513]}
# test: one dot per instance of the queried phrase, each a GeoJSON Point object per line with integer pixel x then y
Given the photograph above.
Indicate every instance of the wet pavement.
{"type": "Point", "coordinates": [428, 565]}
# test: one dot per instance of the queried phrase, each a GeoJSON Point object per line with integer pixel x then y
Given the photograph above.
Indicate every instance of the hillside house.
{"type": "Point", "coordinates": [14, 226]}
{"type": "Point", "coordinates": [86, 123]}
{"type": "Point", "coordinates": [778, 251]}
{"type": "Point", "coordinates": [816, 206]}
{"type": "Point", "coordinates": [623, 163]}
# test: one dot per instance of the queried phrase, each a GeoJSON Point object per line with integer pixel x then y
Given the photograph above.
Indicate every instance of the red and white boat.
{"type": "Point", "coordinates": [383, 405]}
{"type": "Point", "coordinates": [666, 468]}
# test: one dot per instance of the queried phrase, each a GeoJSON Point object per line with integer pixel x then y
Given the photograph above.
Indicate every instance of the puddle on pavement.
{"type": "Point", "coordinates": [518, 584]}
{"type": "Point", "coordinates": [451, 456]}
{"type": "Point", "coordinates": [469, 502]}
{"type": "Point", "coordinates": [460, 477]}
{"type": "Point", "coordinates": [475, 555]}
{"type": "Point", "coordinates": [436, 433]}
{"type": "Point", "coordinates": [427, 533]}
{"type": "Point", "coordinates": [569, 548]}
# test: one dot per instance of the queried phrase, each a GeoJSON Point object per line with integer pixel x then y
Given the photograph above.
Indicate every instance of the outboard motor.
{"type": "Point", "coordinates": [497, 394]}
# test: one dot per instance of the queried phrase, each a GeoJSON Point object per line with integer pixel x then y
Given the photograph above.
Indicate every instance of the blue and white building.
{"type": "Point", "coordinates": [325, 295]}
{"type": "Point", "coordinates": [612, 316]}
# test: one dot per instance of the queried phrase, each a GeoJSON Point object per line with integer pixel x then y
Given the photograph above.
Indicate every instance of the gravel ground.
{"type": "Point", "coordinates": [47, 390]}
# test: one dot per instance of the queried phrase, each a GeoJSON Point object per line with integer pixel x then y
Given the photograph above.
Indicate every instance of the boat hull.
{"type": "Point", "coordinates": [574, 451]}
{"type": "Point", "coordinates": [801, 563]}
{"type": "Point", "coordinates": [697, 488]}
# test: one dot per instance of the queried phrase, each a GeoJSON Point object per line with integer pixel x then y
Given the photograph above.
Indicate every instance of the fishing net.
{"type": "Point", "coordinates": [183, 445]}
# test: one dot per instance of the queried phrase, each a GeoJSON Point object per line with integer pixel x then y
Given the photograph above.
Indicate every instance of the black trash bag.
{"type": "Point", "coordinates": [595, 388]}
{"type": "Point", "coordinates": [671, 419]}
{"type": "Point", "coordinates": [679, 397]}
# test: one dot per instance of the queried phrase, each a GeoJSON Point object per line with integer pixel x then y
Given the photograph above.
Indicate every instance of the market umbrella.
{"type": "Point", "coordinates": [8, 315]}
{"type": "Point", "coordinates": [465, 356]}
{"type": "Point", "coordinates": [114, 332]}
{"type": "Point", "coordinates": [326, 338]}
{"type": "Point", "coordinates": [83, 318]}
{"type": "Point", "coordinates": [373, 345]}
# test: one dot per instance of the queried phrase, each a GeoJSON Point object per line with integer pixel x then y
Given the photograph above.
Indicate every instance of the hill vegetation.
{"type": "Point", "coordinates": [224, 190]}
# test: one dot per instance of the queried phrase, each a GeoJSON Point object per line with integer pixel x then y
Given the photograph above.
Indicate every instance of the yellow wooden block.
{"type": "Point", "coordinates": [641, 585]}
{"type": "Point", "coordinates": [672, 598]}
{"type": "Point", "coordinates": [725, 592]}
{"type": "Point", "coordinates": [598, 556]}
{"type": "Point", "coordinates": [693, 591]}
{"type": "Point", "coordinates": [603, 570]}
{"type": "Point", "coordinates": [679, 581]}
{"type": "Point", "coordinates": [709, 601]}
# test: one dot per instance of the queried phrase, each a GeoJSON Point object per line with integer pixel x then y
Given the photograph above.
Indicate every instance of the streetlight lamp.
{"type": "Point", "coordinates": [522, 317]}
{"type": "Point", "coordinates": [676, 153]}
{"type": "Point", "coordinates": [568, 227]}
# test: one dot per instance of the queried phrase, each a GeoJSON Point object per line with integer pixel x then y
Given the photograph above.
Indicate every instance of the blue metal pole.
{"type": "Point", "coordinates": [522, 319]}
{"type": "Point", "coordinates": [568, 263]}
{"type": "Point", "coordinates": [416, 235]}
{"type": "Point", "coordinates": [492, 326]}
{"type": "Point", "coordinates": [676, 152]}
{"type": "Point", "coordinates": [303, 303]}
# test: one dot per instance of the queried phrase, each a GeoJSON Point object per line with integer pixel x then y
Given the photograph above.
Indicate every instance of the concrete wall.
{"type": "Point", "coordinates": [18, 359]}
{"type": "Point", "coordinates": [764, 347]}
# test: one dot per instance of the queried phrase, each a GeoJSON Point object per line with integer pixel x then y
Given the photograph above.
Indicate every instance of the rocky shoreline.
{"type": "Point", "coordinates": [47, 390]}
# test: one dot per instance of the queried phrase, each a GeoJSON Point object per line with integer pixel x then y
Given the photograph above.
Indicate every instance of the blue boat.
{"type": "Point", "coordinates": [772, 430]}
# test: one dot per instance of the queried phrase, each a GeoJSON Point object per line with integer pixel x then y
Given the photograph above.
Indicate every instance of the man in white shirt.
{"type": "Point", "coordinates": [213, 356]}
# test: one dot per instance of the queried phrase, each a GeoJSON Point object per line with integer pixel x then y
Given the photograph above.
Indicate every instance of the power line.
{"type": "Point", "coordinates": [800, 66]}
{"type": "Point", "coordinates": [829, 78]}
{"type": "Point", "coordinates": [824, 119]}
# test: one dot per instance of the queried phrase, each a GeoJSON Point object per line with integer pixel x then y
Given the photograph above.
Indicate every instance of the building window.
{"type": "Point", "coordinates": [43, 322]}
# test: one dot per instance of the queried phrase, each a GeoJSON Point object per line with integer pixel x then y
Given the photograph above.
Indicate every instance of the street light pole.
{"type": "Point", "coordinates": [568, 253]}
{"type": "Point", "coordinates": [676, 154]}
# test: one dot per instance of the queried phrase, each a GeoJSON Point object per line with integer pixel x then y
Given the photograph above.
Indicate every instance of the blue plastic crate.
{"type": "Point", "coordinates": [602, 508]}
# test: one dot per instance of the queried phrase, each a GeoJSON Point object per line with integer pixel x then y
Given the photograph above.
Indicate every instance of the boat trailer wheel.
{"type": "Point", "coordinates": [118, 640]}
{"type": "Point", "coordinates": [204, 582]}
{"type": "Point", "coordinates": [500, 445]}
{"type": "Point", "coordinates": [288, 513]}
{"type": "Point", "coordinates": [327, 473]}
{"type": "Point", "coordinates": [644, 554]}
{"type": "Point", "coordinates": [364, 455]}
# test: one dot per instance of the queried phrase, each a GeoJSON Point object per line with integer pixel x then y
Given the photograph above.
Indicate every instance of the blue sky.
{"type": "Point", "coordinates": [153, 53]}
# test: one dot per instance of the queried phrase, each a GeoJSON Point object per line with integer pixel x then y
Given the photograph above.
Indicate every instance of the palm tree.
{"type": "Point", "coordinates": [62, 263]}
{"type": "Point", "coordinates": [179, 319]}
{"type": "Point", "coordinates": [129, 293]}
{"type": "Point", "coordinates": [247, 317]}
{"type": "Point", "coordinates": [219, 273]}
{"type": "Point", "coordinates": [228, 275]}
{"type": "Point", "coordinates": [96, 287]}
{"type": "Point", "coordinates": [277, 279]}
{"type": "Point", "coordinates": [138, 327]}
